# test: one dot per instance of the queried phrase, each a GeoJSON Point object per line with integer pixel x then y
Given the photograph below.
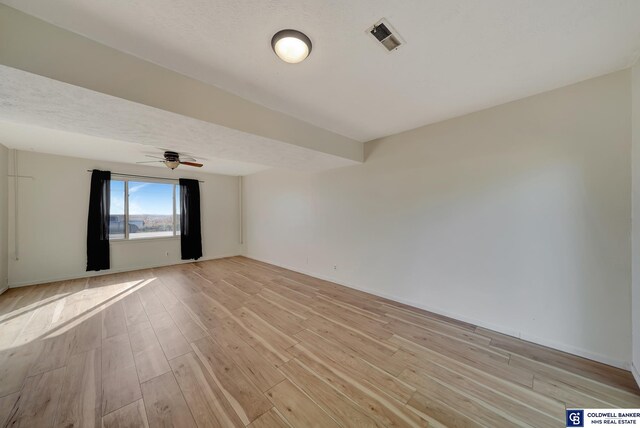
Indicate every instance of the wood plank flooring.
{"type": "Point", "coordinates": [236, 342]}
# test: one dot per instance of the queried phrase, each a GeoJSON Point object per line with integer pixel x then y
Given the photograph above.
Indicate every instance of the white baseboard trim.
{"type": "Point", "coordinates": [107, 272]}
{"type": "Point", "coordinates": [635, 373]}
{"type": "Point", "coordinates": [625, 365]}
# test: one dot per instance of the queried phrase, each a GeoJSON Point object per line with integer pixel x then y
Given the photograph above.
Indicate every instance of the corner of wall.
{"type": "Point", "coordinates": [4, 219]}
{"type": "Point", "coordinates": [635, 373]}
{"type": "Point", "coordinates": [635, 223]}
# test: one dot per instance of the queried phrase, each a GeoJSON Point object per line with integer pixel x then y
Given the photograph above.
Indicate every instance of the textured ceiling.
{"type": "Point", "coordinates": [28, 100]}
{"type": "Point", "coordinates": [460, 55]}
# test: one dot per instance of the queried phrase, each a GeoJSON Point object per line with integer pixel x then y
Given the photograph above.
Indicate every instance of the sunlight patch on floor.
{"type": "Point", "coordinates": [62, 312]}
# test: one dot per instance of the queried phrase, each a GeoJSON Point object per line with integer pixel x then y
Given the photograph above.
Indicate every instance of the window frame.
{"type": "Point", "coordinates": [126, 181]}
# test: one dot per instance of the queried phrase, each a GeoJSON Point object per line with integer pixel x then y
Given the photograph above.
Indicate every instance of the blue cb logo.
{"type": "Point", "coordinates": [575, 418]}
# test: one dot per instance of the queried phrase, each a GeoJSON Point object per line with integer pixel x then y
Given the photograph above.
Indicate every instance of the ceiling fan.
{"type": "Point", "coordinates": [172, 160]}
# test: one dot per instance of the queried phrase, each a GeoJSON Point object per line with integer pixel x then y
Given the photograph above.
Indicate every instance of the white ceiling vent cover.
{"type": "Point", "coordinates": [386, 35]}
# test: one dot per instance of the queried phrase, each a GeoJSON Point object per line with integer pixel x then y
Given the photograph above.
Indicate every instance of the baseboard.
{"type": "Point", "coordinates": [635, 373]}
{"type": "Point", "coordinates": [460, 317]}
{"type": "Point", "coordinates": [110, 271]}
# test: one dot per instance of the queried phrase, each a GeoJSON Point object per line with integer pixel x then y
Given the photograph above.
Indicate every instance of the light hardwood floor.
{"type": "Point", "coordinates": [236, 342]}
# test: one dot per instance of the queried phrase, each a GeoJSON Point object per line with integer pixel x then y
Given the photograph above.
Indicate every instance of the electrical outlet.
{"type": "Point", "coordinates": [167, 254]}
{"type": "Point", "coordinates": [335, 267]}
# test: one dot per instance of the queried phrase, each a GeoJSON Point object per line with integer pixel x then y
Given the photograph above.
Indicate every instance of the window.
{"type": "Point", "coordinates": [144, 209]}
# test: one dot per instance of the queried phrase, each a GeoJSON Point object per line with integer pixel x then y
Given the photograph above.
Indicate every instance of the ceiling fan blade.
{"type": "Point", "coordinates": [187, 158]}
{"type": "Point", "coordinates": [151, 161]}
{"type": "Point", "coordinates": [197, 165]}
{"type": "Point", "coordinates": [155, 157]}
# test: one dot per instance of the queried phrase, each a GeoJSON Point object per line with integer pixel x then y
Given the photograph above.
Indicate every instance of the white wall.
{"type": "Point", "coordinates": [4, 222]}
{"type": "Point", "coordinates": [635, 299]}
{"type": "Point", "coordinates": [52, 226]}
{"type": "Point", "coordinates": [516, 218]}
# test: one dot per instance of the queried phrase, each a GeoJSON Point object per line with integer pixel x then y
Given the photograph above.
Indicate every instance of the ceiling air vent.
{"type": "Point", "coordinates": [386, 35]}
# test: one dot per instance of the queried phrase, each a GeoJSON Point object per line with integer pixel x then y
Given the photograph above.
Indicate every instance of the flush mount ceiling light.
{"type": "Point", "coordinates": [291, 46]}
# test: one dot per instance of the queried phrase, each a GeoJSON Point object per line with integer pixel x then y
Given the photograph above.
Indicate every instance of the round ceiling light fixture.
{"type": "Point", "coordinates": [291, 46]}
{"type": "Point", "coordinates": [172, 164]}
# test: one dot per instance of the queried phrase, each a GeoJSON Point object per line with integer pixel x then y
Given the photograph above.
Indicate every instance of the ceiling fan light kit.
{"type": "Point", "coordinates": [172, 164]}
{"type": "Point", "coordinates": [171, 159]}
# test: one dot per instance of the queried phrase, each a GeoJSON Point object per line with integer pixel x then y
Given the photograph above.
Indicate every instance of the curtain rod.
{"type": "Point", "coordinates": [143, 176]}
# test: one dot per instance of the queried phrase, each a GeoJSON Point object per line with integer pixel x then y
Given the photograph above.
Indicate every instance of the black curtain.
{"type": "Point", "coordinates": [98, 223]}
{"type": "Point", "coordinates": [190, 228]}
